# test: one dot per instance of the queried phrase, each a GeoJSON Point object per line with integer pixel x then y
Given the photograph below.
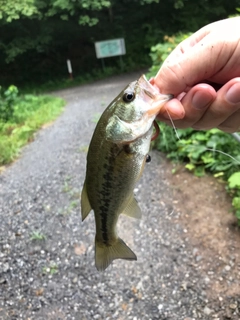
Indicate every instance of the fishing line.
{"type": "Point", "coordinates": [173, 125]}
{"type": "Point", "coordinates": [192, 146]}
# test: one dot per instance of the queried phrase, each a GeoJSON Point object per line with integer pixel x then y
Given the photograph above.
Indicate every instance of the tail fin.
{"type": "Point", "coordinates": [104, 255]}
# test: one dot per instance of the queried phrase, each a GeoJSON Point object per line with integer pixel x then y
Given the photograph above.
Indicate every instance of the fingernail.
{"type": "Point", "coordinates": [201, 101]}
{"type": "Point", "coordinates": [233, 94]}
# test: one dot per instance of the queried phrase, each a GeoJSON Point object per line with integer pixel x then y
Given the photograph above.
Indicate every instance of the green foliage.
{"type": "Point", "coordinates": [161, 51]}
{"type": "Point", "coordinates": [148, 1]}
{"type": "Point", "coordinates": [212, 151]}
{"type": "Point", "coordinates": [13, 9]}
{"type": "Point", "coordinates": [234, 188]}
{"type": "Point", "coordinates": [235, 14]}
{"type": "Point", "coordinates": [66, 8]}
{"type": "Point", "coordinates": [7, 100]}
{"type": "Point", "coordinates": [96, 117]}
{"type": "Point", "coordinates": [28, 114]}
{"type": "Point", "coordinates": [20, 45]}
{"type": "Point", "coordinates": [234, 180]}
{"type": "Point", "coordinates": [37, 235]}
{"type": "Point", "coordinates": [86, 20]}
{"type": "Point", "coordinates": [68, 210]}
{"type": "Point", "coordinates": [31, 26]}
{"type": "Point", "coordinates": [51, 269]}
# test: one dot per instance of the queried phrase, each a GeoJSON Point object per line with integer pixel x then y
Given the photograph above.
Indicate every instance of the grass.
{"type": "Point", "coordinates": [96, 117]}
{"type": "Point", "coordinates": [51, 269]}
{"type": "Point", "coordinates": [83, 149]}
{"type": "Point", "coordinates": [68, 210]}
{"type": "Point", "coordinates": [36, 235]}
{"type": "Point", "coordinates": [29, 115]}
{"type": "Point", "coordinates": [66, 188]}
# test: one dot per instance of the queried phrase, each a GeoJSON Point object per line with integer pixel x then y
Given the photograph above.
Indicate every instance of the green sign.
{"type": "Point", "coordinates": [110, 48]}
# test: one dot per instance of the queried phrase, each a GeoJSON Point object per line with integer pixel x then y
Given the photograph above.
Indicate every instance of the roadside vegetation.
{"type": "Point", "coordinates": [202, 152]}
{"type": "Point", "coordinates": [20, 117]}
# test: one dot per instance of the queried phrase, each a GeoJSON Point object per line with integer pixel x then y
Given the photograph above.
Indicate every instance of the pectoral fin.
{"type": "Point", "coordinates": [132, 209]}
{"type": "Point", "coordinates": [85, 205]}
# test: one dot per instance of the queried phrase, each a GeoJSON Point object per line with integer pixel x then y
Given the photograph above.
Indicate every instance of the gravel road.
{"type": "Point", "coordinates": [47, 255]}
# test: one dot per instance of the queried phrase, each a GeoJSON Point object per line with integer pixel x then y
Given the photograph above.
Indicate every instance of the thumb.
{"type": "Point", "coordinates": [194, 60]}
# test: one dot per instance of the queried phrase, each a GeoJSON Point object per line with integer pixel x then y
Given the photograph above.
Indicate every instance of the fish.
{"type": "Point", "coordinates": [115, 161]}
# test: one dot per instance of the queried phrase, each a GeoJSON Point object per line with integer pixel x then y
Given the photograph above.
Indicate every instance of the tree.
{"type": "Point", "coordinates": [14, 9]}
{"type": "Point", "coordinates": [44, 33]}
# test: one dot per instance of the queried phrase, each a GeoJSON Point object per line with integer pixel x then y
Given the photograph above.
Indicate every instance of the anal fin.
{"type": "Point", "coordinates": [132, 209]}
{"type": "Point", "coordinates": [85, 205]}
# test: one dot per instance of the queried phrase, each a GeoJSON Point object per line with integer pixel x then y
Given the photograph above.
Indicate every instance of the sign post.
{"type": "Point", "coordinates": [110, 48]}
{"type": "Point", "coordinates": [69, 66]}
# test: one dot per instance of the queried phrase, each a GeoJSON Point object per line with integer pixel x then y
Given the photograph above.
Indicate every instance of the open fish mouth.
{"type": "Point", "coordinates": [152, 96]}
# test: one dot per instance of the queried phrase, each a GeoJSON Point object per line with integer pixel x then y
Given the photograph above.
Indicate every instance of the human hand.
{"type": "Point", "coordinates": [208, 60]}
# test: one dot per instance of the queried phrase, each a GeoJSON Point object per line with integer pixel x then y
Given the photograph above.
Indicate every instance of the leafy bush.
{"type": "Point", "coordinates": [234, 188]}
{"type": "Point", "coordinates": [25, 115]}
{"type": "Point", "coordinates": [211, 151]}
{"type": "Point", "coordinates": [27, 106]}
{"type": "Point", "coordinates": [7, 100]}
{"type": "Point", "coordinates": [160, 51]}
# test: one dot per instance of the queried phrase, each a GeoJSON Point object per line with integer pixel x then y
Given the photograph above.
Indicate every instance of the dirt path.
{"type": "Point", "coordinates": [210, 226]}
{"type": "Point", "coordinates": [187, 242]}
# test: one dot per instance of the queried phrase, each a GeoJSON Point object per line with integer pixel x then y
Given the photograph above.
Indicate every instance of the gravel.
{"type": "Point", "coordinates": [54, 277]}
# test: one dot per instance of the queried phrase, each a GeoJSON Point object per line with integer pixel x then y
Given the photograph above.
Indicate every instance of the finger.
{"type": "Point", "coordinates": [226, 104]}
{"type": "Point", "coordinates": [195, 104]}
{"type": "Point", "coordinates": [172, 109]}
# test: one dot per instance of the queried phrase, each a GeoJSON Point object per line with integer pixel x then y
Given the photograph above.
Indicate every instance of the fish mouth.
{"type": "Point", "coordinates": [153, 97]}
{"type": "Point", "coordinates": [157, 104]}
{"type": "Point", "coordinates": [147, 87]}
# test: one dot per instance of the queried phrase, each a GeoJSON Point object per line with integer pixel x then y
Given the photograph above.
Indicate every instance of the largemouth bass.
{"type": "Point", "coordinates": [115, 161]}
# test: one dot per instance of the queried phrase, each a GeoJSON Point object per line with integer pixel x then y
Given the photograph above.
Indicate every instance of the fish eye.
{"type": "Point", "coordinates": [148, 158]}
{"type": "Point", "coordinates": [128, 96]}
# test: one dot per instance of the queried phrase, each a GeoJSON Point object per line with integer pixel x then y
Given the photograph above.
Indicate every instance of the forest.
{"type": "Point", "coordinates": [38, 36]}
